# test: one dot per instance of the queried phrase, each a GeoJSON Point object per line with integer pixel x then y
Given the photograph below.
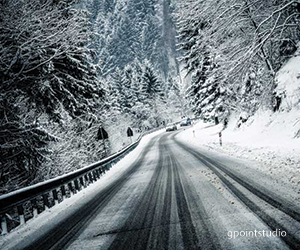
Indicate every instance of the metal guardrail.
{"type": "Point", "coordinates": [59, 188]}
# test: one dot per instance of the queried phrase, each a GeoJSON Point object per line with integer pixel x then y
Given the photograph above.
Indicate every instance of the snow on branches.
{"type": "Point", "coordinates": [247, 38]}
{"type": "Point", "coordinates": [44, 68]}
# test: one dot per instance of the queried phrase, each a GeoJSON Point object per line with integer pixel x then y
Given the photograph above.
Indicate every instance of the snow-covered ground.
{"type": "Point", "coordinates": [268, 140]}
{"type": "Point", "coordinates": [288, 82]}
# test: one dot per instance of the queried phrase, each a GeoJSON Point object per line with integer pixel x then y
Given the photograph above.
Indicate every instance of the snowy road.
{"type": "Point", "coordinates": [176, 197]}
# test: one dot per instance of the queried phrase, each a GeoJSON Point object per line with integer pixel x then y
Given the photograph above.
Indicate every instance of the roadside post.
{"type": "Point", "coordinates": [102, 135]}
{"type": "Point", "coordinates": [193, 129]}
{"type": "Point", "coordinates": [130, 134]}
{"type": "Point", "coordinates": [220, 137]}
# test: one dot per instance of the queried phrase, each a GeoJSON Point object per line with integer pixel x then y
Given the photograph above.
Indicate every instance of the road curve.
{"type": "Point", "coordinates": [176, 197]}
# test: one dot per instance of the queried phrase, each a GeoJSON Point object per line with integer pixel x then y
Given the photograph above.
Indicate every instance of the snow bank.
{"type": "Point", "coordinates": [267, 142]}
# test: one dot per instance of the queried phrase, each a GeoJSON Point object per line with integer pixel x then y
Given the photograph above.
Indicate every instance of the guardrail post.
{"type": "Point", "coordinates": [70, 186]}
{"type": "Point", "coordinates": [98, 173]}
{"type": "Point", "coordinates": [95, 175]}
{"type": "Point", "coordinates": [55, 196]}
{"type": "Point", "coordinates": [109, 165]}
{"type": "Point", "coordinates": [46, 201]}
{"type": "Point", "coordinates": [86, 180]}
{"type": "Point", "coordinates": [82, 182]}
{"type": "Point", "coordinates": [77, 187]}
{"type": "Point", "coordinates": [4, 225]}
{"type": "Point", "coordinates": [34, 207]}
{"type": "Point", "coordinates": [21, 214]}
{"type": "Point", "coordinates": [73, 187]}
{"type": "Point", "coordinates": [90, 177]}
{"type": "Point", "coordinates": [63, 191]}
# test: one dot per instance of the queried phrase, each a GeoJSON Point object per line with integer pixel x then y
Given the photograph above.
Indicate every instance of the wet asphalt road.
{"type": "Point", "coordinates": [177, 197]}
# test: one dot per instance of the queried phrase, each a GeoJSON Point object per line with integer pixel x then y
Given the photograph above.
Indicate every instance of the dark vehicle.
{"type": "Point", "coordinates": [186, 122]}
{"type": "Point", "coordinates": [171, 127]}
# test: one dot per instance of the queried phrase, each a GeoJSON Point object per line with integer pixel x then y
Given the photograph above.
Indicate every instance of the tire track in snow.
{"type": "Point", "coordinates": [188, 197]}
{"type": "Point", "coordinates": [148, 226]}
{"type": "Point", "coordinates": [290, 240]}
{"type": "Point", "coordinates": [162, 234]}
{"type": "Point", "coordinates": [135, 232]}
{"type": "Point", "coordinates": [188, 231]}
{"type": "Point", "coordinates": [61, 235]}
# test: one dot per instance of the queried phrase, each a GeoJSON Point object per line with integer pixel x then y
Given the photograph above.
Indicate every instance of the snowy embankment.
{"type": "Point", "coordinates": [268, 142]}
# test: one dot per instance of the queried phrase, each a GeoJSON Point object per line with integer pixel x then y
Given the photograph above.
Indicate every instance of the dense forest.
{"type": "Point", "coordinates": [69, 67]}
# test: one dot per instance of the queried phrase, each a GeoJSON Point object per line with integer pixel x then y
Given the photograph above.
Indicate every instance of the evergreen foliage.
{"type": "Point", "coordinates": [151, 85]}
{"type": "Point", "coordinates": [117, 93]}
{"type": "Point", "coordinates": [133, 29]}
{"type": "Point", "coordinates": [138, 92]}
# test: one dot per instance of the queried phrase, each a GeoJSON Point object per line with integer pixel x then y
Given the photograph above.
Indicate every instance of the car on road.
{"type": "Point", "coordinates": [185, 122]}
{"type": "Point", "coordinates": [171, 127]}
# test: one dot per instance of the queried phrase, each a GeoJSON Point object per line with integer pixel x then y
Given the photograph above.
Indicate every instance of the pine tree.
{"type": "Point", "coordinates": [117, 95]}
{"type": "Point", "coordinates": [137, 79]}
{"type": "Point", "coordinates": [199, 59]}
{"type": "Point", "coordinates": [130, 91]}
{"type": "Point", "coordinates": [124, 44]}
{"type": "Point", "coordinates": [151, 85]}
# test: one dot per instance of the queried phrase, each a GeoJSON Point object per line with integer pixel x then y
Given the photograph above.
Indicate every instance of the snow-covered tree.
{"type": "Point", "coordinates": [151, 87]}
{"type": "Point", "coordinates": [130, 89]}
{"type": "Point", "coordinates": [45, 68]}
{"type": "Point", "coordinates": [125, 30]}
{"type": "Point", "coordinates": [200, 62]}
{"type": "Point", "coordinates": [247, 37]}
{"type": "Point", "coordinates": [117, 96]}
